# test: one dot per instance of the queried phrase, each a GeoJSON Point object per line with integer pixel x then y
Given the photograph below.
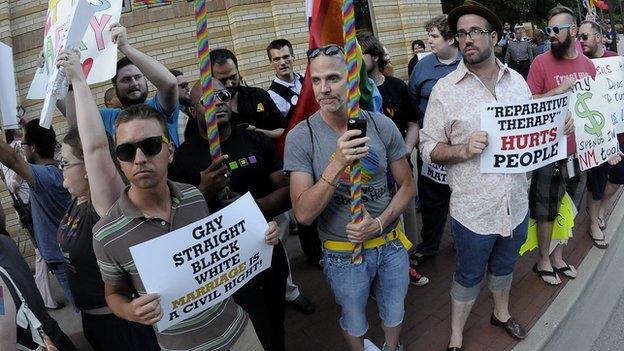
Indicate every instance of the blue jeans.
{"type": "Point", "coordinates": [475, 252]}
{"type": "Point", "coordinates": [388, 265]}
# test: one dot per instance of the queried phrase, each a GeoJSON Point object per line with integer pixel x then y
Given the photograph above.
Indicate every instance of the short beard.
{"type": "Point", "coordinates": [560, 49]}
{"type": "Point", "coordinates": [126, 101]}
{"type": "Point", "coordinates": [482, 57]}
{"type": "Point", "coordinates": [185, 101]}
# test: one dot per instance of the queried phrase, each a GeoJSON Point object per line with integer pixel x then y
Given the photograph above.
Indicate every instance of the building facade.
{"type": "Point", "coordinates": [167, 32]}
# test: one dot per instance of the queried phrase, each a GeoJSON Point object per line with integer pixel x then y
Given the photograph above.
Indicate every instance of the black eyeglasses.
{"type": "Point", "coordinates": [473, 34]}
{"type": "Point", "coordinates": [327, 50]}
{"type": "Point", "coordinates": [586, 36]}
{"type": "Point", "coordinates": [222, 95]}
{"type": "Point", "coordinates": [558, 29]}
{"type": "Point", "coordinates": [149, 146]}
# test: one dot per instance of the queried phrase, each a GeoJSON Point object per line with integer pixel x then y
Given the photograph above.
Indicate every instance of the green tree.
{"type": "Point", "coordinates": [516, 11]}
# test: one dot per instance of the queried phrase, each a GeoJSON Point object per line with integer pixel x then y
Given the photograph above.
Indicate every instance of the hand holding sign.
{"type": "Point", "coordinates": [119, 36]}
{"type": "Point", "coordinates": [569, 124]}
{"type": "Point", "coordinates": [69, 60]}
{"type": "Point", "coordinates": [476, 144]}
{"type": "Point", "coordinates": [145, 309]}
{"type": "Point", "coordinates": [615, 159]}
{"type": "Point", "coordinates": [271, 237]}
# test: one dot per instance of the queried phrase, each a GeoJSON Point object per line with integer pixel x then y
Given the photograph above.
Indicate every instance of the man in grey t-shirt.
{"type": "Point", "coordinates": [318, 155]}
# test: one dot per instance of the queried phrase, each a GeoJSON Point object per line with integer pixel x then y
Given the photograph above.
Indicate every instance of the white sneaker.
{"type": "Point", "coordinates": [369, 346]}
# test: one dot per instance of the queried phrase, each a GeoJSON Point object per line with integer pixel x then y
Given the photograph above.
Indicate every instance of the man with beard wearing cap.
{"type": "Point", "coordinates": [130, 84]}
{"type": "Point", "coordinates": [252, 108]}
{"type": "Point", "coordinates": [554, 73]}
{"type": "Point", "coordinates": [489, 211]}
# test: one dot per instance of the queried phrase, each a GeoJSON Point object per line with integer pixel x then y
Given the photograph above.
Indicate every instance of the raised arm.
{"type": "Point", "coordinates": [12, 159]}
{"type": "Point", "coordinates": [104, 179]}
{"type": "Point", "coordinates": [153, 70]}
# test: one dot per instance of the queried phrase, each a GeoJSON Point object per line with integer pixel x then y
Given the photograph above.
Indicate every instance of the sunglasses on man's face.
{"type": "Point", "coordinates": [585, 36]}
{"type": "Point", "coordinates": [558, 29]}
{"type": "Point", "coordinates": [327, 50]}
{"type": "Point", "coordinates": [149, 147]}
{"type": "Point", "coordinates": [222, 95]}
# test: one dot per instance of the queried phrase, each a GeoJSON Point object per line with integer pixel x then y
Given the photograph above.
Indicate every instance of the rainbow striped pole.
{"type": "Point", "coordinates": [205, 74]}
{"type": "Point", "coordinates": [353, 107]}
{"type": "Point", "coordinates": [150, 2]}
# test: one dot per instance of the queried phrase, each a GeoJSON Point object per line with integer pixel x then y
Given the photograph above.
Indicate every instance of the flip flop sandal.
{"type": "Point", "coordinates": [563, 270]}
{"type": "Point", "coordinates": [543, 274]}
{"type": "Point", "coordinates": [602, 224]}
{"type": "Point", "coordinates": [597, 242]}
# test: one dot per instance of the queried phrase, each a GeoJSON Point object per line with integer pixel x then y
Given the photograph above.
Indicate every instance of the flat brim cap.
{"type": "Point", "coordinates": [474, 8]}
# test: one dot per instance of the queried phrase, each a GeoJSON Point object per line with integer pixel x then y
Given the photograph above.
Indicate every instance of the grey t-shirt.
{"type": "Point", "coordinates": [303, 155]}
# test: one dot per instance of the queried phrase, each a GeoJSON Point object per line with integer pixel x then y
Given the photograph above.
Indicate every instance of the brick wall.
{"type": "Point", "coordinates": [168, 34]}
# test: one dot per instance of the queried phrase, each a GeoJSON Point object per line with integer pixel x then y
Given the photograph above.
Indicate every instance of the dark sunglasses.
{"type": "Point", "coordinates": [222, 95]}
{"type": "Point", "coordinates": [558, 29]}
{"type": "Point", "coordinates": [586, 36]}
{"type": "Point", "coordinates": [149, 147]}
{"type": "Point", "coordinates": [327, 50]}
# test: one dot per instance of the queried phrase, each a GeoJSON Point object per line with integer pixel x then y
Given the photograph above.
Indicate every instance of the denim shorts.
{"type": "Point", "coordinates": [387, 265]}
{"type": "Point", "coordinates": [475, 252]}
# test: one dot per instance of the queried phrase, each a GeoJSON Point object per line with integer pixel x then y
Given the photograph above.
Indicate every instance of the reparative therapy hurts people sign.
{"type": "Point", "coordinates": [201, 264]}
{"type": "Point", "coordinates": [524, 136]}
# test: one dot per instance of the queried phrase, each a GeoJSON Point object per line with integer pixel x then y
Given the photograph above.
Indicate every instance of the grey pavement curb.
{"type": "Point", "coordinates": [541, 333]}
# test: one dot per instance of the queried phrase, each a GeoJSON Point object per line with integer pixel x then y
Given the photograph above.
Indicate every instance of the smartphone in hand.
{"type": "Point", "coordinates": [359, 124]}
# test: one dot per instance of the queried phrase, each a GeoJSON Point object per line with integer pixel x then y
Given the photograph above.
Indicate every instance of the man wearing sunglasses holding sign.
{"type": "Point", "coordinates": [318, 155]}
{"type": "Point", "coordinates": [150, 207]}
{"type": "Point", "coordinates": [554, 73]}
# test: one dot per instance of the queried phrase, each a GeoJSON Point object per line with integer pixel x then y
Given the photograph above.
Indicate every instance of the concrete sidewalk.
{"type": "Point", "coordinates": [427, 322]}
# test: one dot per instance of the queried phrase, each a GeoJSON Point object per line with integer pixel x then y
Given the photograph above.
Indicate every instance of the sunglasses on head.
{"type": "Point", "coordinates": [327, 50]}
{"type": "Point", "coordinates": [149, 147]}
{"type": "Point", "coordinates": [558, 29]}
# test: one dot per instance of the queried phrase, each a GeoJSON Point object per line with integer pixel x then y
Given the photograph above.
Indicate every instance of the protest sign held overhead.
{"type": "Point", "coordinates": [69, 37]}
{"type": "Point", "coordinates": [8, 98]}
{"type": "Point", "coordinates": [201, 264]}
{"type": "Point", "coordinates": [610, 71]}
{"type": "Point", "coordinates": [98, 54]}
{"type": "Point", "coordinates": [596, 139]}
{"type": "Point", "coordinates": [524, 136]}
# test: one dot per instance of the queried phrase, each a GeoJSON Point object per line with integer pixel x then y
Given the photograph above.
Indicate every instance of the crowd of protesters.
{"type": "Point", "coordinates": [139, 168]}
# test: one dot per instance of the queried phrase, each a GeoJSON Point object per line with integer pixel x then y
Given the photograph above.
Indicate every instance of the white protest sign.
{"type": "Point", "coordinates": [596, 139]}
{"type": "Point", "coordinates": [524, 136]}
{"type": "Point", "coordinates": [70, 37]}
{"type": "Point", "coordinates": [611, 70]}
{"type": "Point", "coordinates": [203, 263]}
{"type": "Point", "coordinates": [8, 98]}
{"type": "Point", "coordinates": [98, 54]}
{"type": "Point", "coordinates": [435, 172]}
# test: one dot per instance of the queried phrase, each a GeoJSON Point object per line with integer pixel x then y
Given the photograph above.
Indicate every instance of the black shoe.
{"type": "Point", "coordinates": [303, 304]}
{"type": "Point", "coordinates": [512, 327]}
{"type": "Point", "coordinates": [454, 349]}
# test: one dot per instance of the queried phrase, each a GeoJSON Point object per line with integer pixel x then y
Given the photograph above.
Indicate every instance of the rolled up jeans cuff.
{"type": "Point", "coordinates": [498, 283]}
{"type": "Point", "coordinates": [463, 294]}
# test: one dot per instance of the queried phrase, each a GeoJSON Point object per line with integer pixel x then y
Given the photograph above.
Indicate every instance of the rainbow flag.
{"type": "Point", "coordinates": [325, 28]}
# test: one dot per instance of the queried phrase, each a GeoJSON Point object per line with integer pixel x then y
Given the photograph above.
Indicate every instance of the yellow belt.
{"type": "Point", "coordinates": [396, 233]}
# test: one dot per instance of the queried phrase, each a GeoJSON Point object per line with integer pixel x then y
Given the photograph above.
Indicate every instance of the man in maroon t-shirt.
{"type": "Point", "coordinates": [604, 180]}
{"type": "Point", "coordinates": [554, 73]}
{"type": "Point", "coordinates": [591, 38]}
